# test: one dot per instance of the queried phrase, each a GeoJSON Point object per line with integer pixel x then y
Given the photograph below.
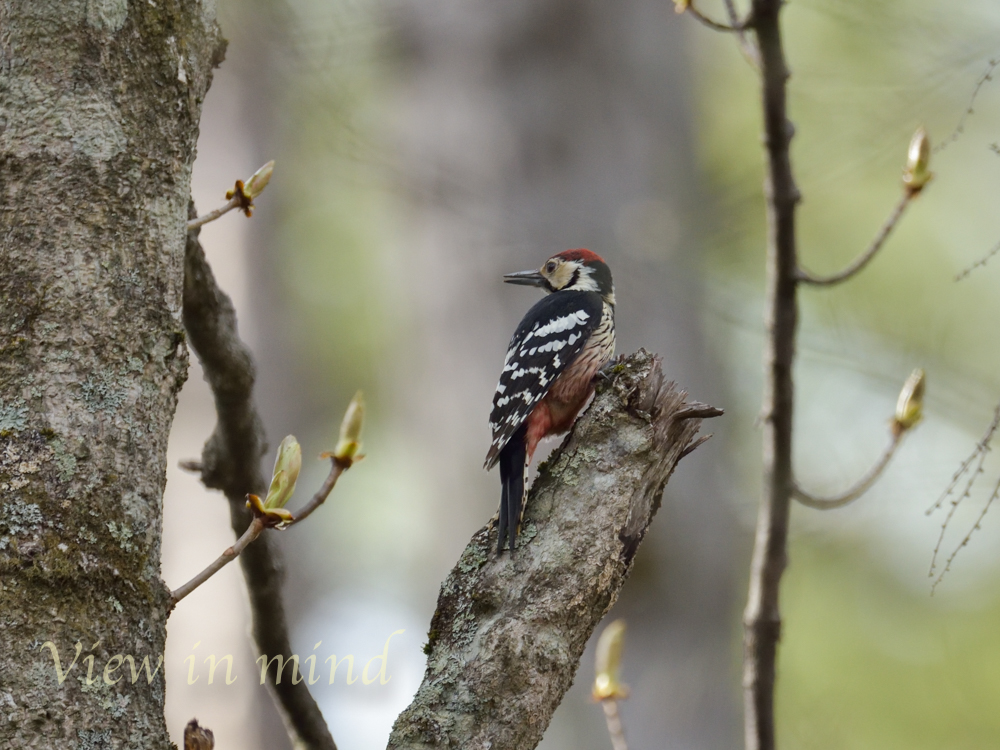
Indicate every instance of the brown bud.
{"type": "Point", "coordinates": [198, 737]}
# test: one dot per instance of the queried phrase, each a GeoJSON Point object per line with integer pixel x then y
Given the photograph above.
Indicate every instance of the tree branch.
{"type": "Point", "coordinates": [860, 487]}
{"type": "Point", "coordinates": [257, 527]}
{"type": "Point", "coordinates": [228, 555]}
{"type": "Point", "coordinates": [762, 617]}
{"type": "Point", "coordinates": [200, 221]}
{"type": "Point", "coordinates": [862, 260]}
{"type": "Point", "coordinates": [737, 27]}
{"type": "Point", "coordinates": [747, 46]}
{"type": "Point", "coordinates": [508, 633]}
{"type": "Point", "coordinates": [231, 463]}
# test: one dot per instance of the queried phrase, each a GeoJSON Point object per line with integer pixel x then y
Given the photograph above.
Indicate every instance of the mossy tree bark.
{"type": "Point", "coordinates": [99, 109]}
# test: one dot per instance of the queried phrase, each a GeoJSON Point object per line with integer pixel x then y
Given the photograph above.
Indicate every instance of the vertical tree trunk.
{"type": "Point", "coordinates": [99, 108]}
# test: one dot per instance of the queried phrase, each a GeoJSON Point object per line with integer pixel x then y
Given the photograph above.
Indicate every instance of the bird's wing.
{"type": "Point", "coordinates": [548, 339]}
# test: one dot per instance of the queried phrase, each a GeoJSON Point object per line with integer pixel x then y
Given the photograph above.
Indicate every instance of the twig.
{"type": "Point", "coordinates": [747, 46]}
{"type": "Point", "coordinates": [762, 617]}
{"type": "Point", "coordinates": [615, 730]}
{"type": "Point", "coordinates": [966, 493]}
{"type": "Point", "coordinates": [862, 260]}
{"type": "Point", "coordinates": [253, 531]}
{"type": "Point", "coordinates": [981, 446]}
{"type": "Point", "coordinates": [336, 469]}
{"type": "Point", "coordinates": [231, 463]}
{"type": "Point", "coordinates": [737, 27]}
{"type": "Point", "coordinates": [508, 632]}
{"type": "Point", "coordinates": [860, 488]}
{"type": "Point", "coordinates": [960, 128]}
{"type": "Point", "coordinates": [979, 263]}
{"type": "Point", "coordinates": [213, 215]}
{"type": "Point", "coordinates": [965, 540]}
{"type": "Point", "coordinates": [978, 457]}
{"type": "Point", "coordinates": [241, 196]}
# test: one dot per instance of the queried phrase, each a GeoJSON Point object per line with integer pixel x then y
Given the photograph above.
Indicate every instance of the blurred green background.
{"type": "Point", "coordinates": [425, 147]}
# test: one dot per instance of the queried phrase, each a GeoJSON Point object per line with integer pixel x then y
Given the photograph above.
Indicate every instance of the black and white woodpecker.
{"type": "Point", "coordinates": [548, 373]}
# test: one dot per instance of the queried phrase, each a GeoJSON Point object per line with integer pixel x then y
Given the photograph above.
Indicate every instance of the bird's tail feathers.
{"type": "Point", "coordinates": [513, 465]}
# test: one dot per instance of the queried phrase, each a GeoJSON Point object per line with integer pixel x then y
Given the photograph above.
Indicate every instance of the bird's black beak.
{"type": "Point", "coordinates": [527, 278]}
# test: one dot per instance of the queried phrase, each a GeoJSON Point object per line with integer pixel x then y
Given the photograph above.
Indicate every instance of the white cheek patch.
{"type": "Point", "coordinates": [585, 282]}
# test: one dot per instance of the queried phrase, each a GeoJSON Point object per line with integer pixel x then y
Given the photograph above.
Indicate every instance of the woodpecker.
{"type": "Point", "coordinates": [548, 372]}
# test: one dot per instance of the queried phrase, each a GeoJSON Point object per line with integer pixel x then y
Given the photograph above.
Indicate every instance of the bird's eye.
{"type": "Point", "coordinates": [550, 267]}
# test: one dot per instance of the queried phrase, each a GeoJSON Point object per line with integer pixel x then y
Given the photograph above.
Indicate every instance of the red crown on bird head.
{"type": "Point", "coordinates": [581, 254]}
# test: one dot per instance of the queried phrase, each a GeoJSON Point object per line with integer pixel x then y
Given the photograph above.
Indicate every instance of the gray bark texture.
{"type": "Point", "coordinates": [99, 108]}
{"type": "Point", "coordinates": [506, 639]}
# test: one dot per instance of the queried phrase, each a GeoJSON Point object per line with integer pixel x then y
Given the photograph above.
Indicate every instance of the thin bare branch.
{"type": "Point", "coordinates": [255, 529]}
{"type": "Point", "coordinates": [981, 447]}
{"type": "Point", "coordinates": [862, 260]}
{"type": "Point", "coordinates": [231, 462]}
{"type": "Point", "coordinates": [336, 469]}
{"type": "Point", "coordinates": [965, 540]}
{"type": "Point", "coordinates": [969, 109]}
{"type": "Point", "coordinates": [747, 45]}
{"type": "Point", "coordinates": [222, 210]}
{"type": "Point", "coordinates": [736, 26]}
{"type": "Point", "coordinates": [860, 487]}
{"type": "Point", "coordinates": [979, 263]}
{"type": "Point", "coordinates": [978, 458]}
{"type": "Point", "coordinates": [231, 553]}
{"type": "Point", "coordinates": [508, 632]}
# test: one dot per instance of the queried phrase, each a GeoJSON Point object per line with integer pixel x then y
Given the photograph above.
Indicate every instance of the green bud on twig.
{"type": "Point", "coordinates": [258, 181]}
{"type": "Point", "coordinates": [918, 160]}
{"type": "Point", "coordinates": [244, 194]}
{"type": "Point", "coordinates": [608, 659]}
{"type": "Point", "coordinates": [287, 465]}
{"type": "Point", "coordinates": [909, 407]}
{"type": "Point", "coordinates": [272, 517]}
{"type": "Point", "coordinates": [350, 431]}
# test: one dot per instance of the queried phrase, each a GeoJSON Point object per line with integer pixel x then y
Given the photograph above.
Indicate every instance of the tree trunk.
{"type": "Point", "coordinates": [99, 109]}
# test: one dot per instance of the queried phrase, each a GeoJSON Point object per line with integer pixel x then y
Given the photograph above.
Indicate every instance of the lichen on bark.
{"type": "Point", "coordinates": [97, 136]}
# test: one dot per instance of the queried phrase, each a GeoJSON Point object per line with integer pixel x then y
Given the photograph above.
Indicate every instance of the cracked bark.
{"type": "Point", "coordinates": [99, 111]}
{"type": "Point", "coordinates": [506, 639]}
